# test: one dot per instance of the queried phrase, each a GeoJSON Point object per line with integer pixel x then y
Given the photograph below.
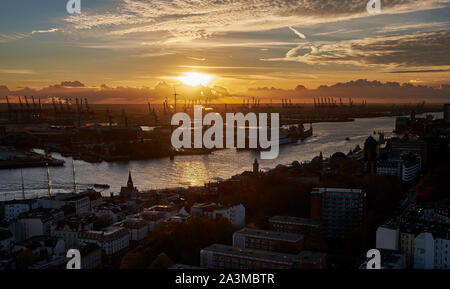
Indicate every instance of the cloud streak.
{"type": "Point", "coordinates": [186, 20]}
{"type": "Point", "coordinates": [16, 71]}
{"type": "Point", "coordinates": [299, 34]}
{"type": "Point", "coordinates": [424, 49]}
{"type": "Point", "coordinates": [52, 30]}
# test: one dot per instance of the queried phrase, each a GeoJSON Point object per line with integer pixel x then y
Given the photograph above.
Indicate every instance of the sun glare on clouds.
{"type": "Point", "coordinates": [195, 79]}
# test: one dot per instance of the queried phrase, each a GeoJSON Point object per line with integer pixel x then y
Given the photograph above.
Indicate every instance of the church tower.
{"type": "Point", "coordinates": [256, 167]}
{"type": "Point", "coordinates": [130, 181]}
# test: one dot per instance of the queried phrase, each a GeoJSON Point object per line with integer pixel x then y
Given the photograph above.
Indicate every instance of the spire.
{"type": "Point", "coordinates": [256, 167]}
{"type": "Point", "coordinates": [130, 181]}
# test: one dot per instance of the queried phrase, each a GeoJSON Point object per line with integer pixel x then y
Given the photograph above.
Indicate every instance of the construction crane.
{"type": "Point", "coordinates": [175, 100]}
{"type": "Point", "coordinates": [108, 116]}
{"type": "Point", "coordinates": [87, 105]}
{"type": "Point", "coordinates": [68, 104]}
{"type": "Point", "coordinates": [55, 106]}
{"type": "Point", "coordinates": [7, 101]}
{"type": "Point", "coordinates": [27, 105]}
{"type": "Point", "coordinates": [34, 104]}
{"type": "Point", "coordinates": [125, 118]}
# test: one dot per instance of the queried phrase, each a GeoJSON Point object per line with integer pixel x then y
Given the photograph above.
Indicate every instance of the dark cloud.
{"type": "Point", "coordinates": [107, 94]}
{"type": "Point", "coordinates": [362, 88]}
{"type": "Point", "coordinates": [75, 83]}
{"type": "Point", "coordinates": [420, 71]}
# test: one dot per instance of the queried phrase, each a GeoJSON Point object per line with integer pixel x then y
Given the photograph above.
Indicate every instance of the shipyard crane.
{"type": "Point", "coordinates": [55, 105]}
{"type": "Point", "coordinates": [125, 118]}
{"type": "Point", "coordinates": [27, 105]}
{"type": "Point", "coordinates": [34, 104]}
{"type": "Point", "coordinates": [7, 101]}
{"type": "Point", "coordinates": [175, 100]}
{"type": "Point", "coordinates": [87, 105]}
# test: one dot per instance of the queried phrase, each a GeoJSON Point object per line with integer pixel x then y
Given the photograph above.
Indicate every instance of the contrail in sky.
{"type": "Point", "coordinates": [299, 34]}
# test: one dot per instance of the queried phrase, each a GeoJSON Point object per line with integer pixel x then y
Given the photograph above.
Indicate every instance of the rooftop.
{"type": "Point", "coordinates": [5, 234]}
{"type": "Point", "coordinates": [107, 234]}
{"type": "Point", "coordinates": [278, 236]}
{"type": "Point", "coordinates": [335, 190]}
{"type": "Point", "coordinates": [416, 226]}
{"type": "Point", "coordinates": [263, 255]}
{"type": "Point", "coordinates": [295, 221]}
{"type": "Point", "coordinates": [184, 267]}
{"type": "Point", "coordinates": [27, 202]}
{"type": "Point", "coordinates": [88, 248]}
{"type": "Point", "coordinates": [38, 241]}
{"type": "Point", "coordinates": [45, 215]}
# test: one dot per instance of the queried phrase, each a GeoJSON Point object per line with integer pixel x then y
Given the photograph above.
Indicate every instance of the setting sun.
{"type": "Point", "coordinates": [194, 79]}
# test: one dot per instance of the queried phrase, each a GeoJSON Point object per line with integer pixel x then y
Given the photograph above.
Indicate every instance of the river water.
{"type": "Point", "coordinates": [190, 170]}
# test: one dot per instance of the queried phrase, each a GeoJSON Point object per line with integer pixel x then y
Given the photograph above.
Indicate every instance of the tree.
{"type": "Point", "coordinates": [102, 222]}
{"type": "Point", "coordinates": [181, 242]}
{"type": "Point", "coordinates": [25, 259]}
{"type": "Point", "coordinates": [161, 262]}
{"type": "Point", "coordinates": [138, 259]}
{"type": "Point", "coordinates": [435, 186]}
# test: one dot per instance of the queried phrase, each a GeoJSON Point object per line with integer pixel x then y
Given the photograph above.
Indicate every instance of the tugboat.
{"type": "Point", "coordinates": [304, 134]}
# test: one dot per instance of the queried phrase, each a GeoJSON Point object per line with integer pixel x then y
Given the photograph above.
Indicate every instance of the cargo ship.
{"type": "Point", "coordinates": [288, 135]}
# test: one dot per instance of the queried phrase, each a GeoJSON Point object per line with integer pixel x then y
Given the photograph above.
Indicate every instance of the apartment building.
{"type": "Point", "coordinates": [10, 210]}
{"type": "Point", "coordinates": [235, 214]}
{"type": "Point", "coordinates": [340, 210]}
{"type": "Point", "coordinates": [268, 240]}
{"type": "Point", "coordinates": [113, 240]}
{"type": "Point", "coordinates": [311, 229]}
{"type": "Point", "coordinates": [227, 257]}
{"type": "Point", "coordinates": [426, 245]}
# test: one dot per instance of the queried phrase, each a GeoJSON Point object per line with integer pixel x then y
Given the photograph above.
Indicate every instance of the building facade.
{"type": "Point", "coordinates": [268, 240]}
{"type": "Point", "coordinates": [235, 214]}
{"type": "Point", "coordinates": [227, 257]}
{"type": "Point", "coordinates": [426, 246]}
{"type": "Point", "coordinates": [12, 209]}
{"type": "Point", "coordinates": [6, 242]}
{"type": "Point", "coordinates": [69, 229]}
{"type": "Point", "coordinates": [113, 240]}
{"type": "Point", "coordinates": [311, 229]}
{"type": "Point", "coordinates": [340, 210]}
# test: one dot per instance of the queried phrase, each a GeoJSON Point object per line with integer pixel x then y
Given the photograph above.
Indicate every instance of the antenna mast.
{"type": "Point", "coordinates": [49, 182]}
{"type": "Point", "coordinates": [175, 100]}
{"type": "Point", "coordinates": [74, 178]}
{"type": "Point", "coordinates": [23, 186]}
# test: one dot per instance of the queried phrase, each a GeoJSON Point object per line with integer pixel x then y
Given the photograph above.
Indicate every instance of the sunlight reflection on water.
{"type": "Point", "coordinates": [192, 170]}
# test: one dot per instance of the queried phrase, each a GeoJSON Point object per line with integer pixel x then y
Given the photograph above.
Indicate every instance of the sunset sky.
{"type": "Point", "coordinates": [232, 44]}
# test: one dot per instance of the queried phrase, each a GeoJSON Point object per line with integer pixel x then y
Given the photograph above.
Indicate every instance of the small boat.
{"type": "Point", "coordinates": [347, 139]}
{"type": "Point", "coordinates": [101, 186]}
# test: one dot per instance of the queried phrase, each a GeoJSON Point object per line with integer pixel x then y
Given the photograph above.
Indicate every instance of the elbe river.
{"type": "Point", "coordinates": [187, 171]}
